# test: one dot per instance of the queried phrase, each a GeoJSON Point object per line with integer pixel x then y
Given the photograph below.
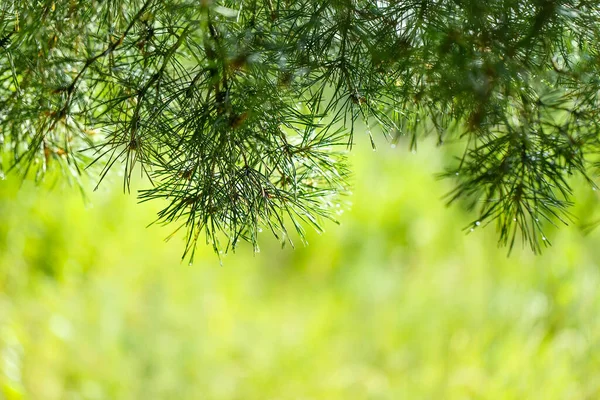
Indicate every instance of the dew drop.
{"type": "Point", "coordinates": [544, 238]}
{"type": "Point", "coordinates": [514, 219]}
{"type": "Point", "coordinates": [393, 145]}
{"type": "Point", "coordinates": [472, 229]}
{"type": "Point", "coordinates": [593, 187]}
{"type": "Point", "coordinates": [259, 230]}
{"type": "Point", "coordinates": [478, 223]}
{"type": "Point", "coordinates": [414, 152]}
{"type": "Point", "coordinates": [456, 174]}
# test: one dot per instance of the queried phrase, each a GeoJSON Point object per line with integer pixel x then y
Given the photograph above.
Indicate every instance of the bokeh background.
{"type": "Point", "coordinates": [395, 303]}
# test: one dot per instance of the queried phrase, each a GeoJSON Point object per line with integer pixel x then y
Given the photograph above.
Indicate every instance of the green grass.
{"type": "Point", "coordinates": [396, 303]}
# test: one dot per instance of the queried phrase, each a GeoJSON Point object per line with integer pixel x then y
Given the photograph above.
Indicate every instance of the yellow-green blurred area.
{"type": "Point", "coordinates": [395, 303]}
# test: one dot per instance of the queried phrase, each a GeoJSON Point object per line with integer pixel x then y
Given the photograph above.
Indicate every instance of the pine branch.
{"type": "Point", "coordinates": [240, 112]}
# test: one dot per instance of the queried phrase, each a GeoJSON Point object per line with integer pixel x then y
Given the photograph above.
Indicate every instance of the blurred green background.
{"type": "Point", "coordinates": [396, 303]}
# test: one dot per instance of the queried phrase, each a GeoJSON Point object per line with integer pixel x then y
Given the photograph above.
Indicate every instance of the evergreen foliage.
{"type": "Point", "coordinates": [240, 112]}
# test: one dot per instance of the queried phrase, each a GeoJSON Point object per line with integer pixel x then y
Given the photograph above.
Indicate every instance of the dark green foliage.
{"type": "Point", "coordinates": [239, 112]}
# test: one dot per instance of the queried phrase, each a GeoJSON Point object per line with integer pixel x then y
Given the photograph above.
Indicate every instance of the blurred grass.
{"type": "Point", "coordinates": [396, 303]}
